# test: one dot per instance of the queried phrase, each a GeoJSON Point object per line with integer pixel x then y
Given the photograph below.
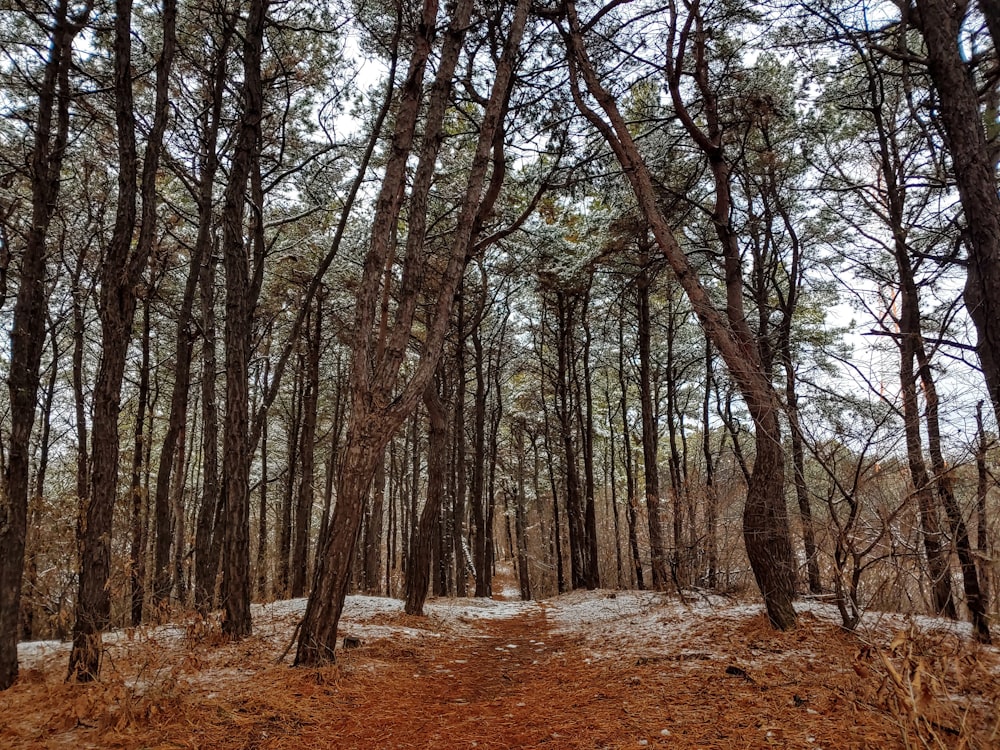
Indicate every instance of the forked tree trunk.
{"type": "Point", "coordinates": [121, 270]}
{"type": "Point", "coordinates": [379, 402]}
{"type": "Point", "coordinates": [974, 597]}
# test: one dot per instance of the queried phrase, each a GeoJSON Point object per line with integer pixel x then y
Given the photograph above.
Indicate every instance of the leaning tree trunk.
{"type": "Point", "coordinates": [765, 518]}
{"type": "Point", "coordinates": [975, 176]}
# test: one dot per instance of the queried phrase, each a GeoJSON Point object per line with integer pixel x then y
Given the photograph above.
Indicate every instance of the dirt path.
{"type": "Point", "coordinates": [521, 678]}
{"type": "Point", "coordinates": [521, 683]}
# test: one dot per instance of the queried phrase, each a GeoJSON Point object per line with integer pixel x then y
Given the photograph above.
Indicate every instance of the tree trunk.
{"type": "Point", "coordinates": [307, 453]}
{"type": "Point", "coordinates": [137, 551]}
{"type": "Point", "coordinates": [459, 513]}
{"type": "Point", "coordinates": [650, 439]}
{"type": "Point", "coordinates": [27, 332]}
{"type": "Point", "coordinates": [974, 598]}
{"type": "Point", "coordinates": [377, 410]}
{"type": "Point", "coordinates": [239, 311]}
{"type": "Point", "coordinates": [631, 502]}
{"type": "Point", "coordinates": [206, 563]}
{"type": "Point", "coordinates": [206, 543]}
{"type": "Point", "coordinates": [983, 547]}
{"type": "Point", "coordinates": [173, 441]}
{"type": "Point", "coordinates": [261, 583]}
{"type": "Point", "coordinates": [592, 570]}
{"type": "Point", "coordinates": [116, 307]}
{"type": "Point", "coordinates": [765, 519]}
{"type": "Point", "coordinates": [975, 177]}
{"type": "Point", "coordinates": [418, 570]}
{"type": "Point", "coordinates": [477, 494]}
{"type": "Point", "coordinates": [373, 533]}
{"type": "Point", "coordinates": [521, 521]}
{"type": "Point", "coordinates": [283, 578]}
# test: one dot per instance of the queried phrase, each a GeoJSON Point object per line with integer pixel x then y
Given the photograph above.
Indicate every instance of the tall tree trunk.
{"type": "Point", "coordinates": [206, 543]}
{"type": "Point", "coordinates": [173, 440]}
{"type": "Point", "coordinates": [206, 562]}
{"type": "Point", "coordinates": [592, 570]}
{"type": "Point", "coordinates": [179, 520]}
{"type": "Point", "coordinates": [937, 560]}
{"type": "Point", "coordinates": [521, 520]}
{"type": "Point", "coordinates": [550, 463]}
{"type": "Point", "coordinates": [974, 598]}
{"type": "Point", "coordinates": [612, 482]}
{"type": "Point", "coordinates": [418, 570]}
{"type": "Point", "coordinates": [376, 412]}
{"type": "Point", "coordinates": [283, 578]}
{"type": "Point", "coordinates": [711, 496]}
{"type": "Point", "coordinates": [564, 408]}
{"type": "Point", "coordinates": [38, 495]}
{"type": "Point", "coordinates": [765, 518]}
{"type": "Point", "coordinates": [121, 270]}
{"type": "Point", "coordinates": [373, 532]}
{"type": "Point", "coordinates": [940, 23]}
{"type": "Point", "coordinates": [459, 513]}
{"type": "Point", "coordinates": [983, 547]}
{"type": "Point", "coordinates": [137, 492]}
{"type": "Point", "coordinates": [631, 506]}
{"type": "Point", "coordinates": [27, 332]}
{"type": "Point", "coordinates": [477, 494]}
{"type": "Point", "coordinates": [650, 438]}
{"type": "Point", "coordinates": [239, 311]}
{"type": "Point", "coordinates": [261, 583]}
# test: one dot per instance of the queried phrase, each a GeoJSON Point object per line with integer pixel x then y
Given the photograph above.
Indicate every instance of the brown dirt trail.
{"type": "Point", "coordinates": [496, 684]}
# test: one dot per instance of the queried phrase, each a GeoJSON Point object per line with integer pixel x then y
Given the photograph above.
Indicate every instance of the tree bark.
{"type": "Point", "coordinates": [239, 311]}
{"type": "Point", "coordinates": [418, 570]}
{"type": "Point", "coordinates": [765, 519]}
{"type": "Point", "coordinates": [27, 333]}
{"type": "Point", "coordinates": [650, 438]}
{"type": "Point", "coordinates": [375, 411]}
{"type": "Point", "coordinates": [940, 23]}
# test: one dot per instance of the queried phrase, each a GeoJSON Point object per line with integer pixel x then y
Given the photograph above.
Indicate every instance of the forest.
{"type": "Point", "coordinates": [316, 299]}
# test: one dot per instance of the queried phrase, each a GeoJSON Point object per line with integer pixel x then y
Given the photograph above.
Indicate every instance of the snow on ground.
{"type": "Point", "coordinates": [611, 624]}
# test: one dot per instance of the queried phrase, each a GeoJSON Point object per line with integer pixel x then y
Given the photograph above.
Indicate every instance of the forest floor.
{"type": "Point", "coordinates": [586, 670]}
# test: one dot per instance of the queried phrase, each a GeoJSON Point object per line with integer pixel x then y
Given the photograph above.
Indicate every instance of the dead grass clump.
{"type": "Point", "coordinates": [941, 690]}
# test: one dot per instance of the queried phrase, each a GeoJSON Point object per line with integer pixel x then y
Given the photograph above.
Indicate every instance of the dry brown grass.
{"type": "Point", "coordinates": [735, 684]}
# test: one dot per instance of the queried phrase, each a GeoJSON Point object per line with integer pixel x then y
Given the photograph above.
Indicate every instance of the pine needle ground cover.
{"type": "Point", "coordinates": [585, 670]}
